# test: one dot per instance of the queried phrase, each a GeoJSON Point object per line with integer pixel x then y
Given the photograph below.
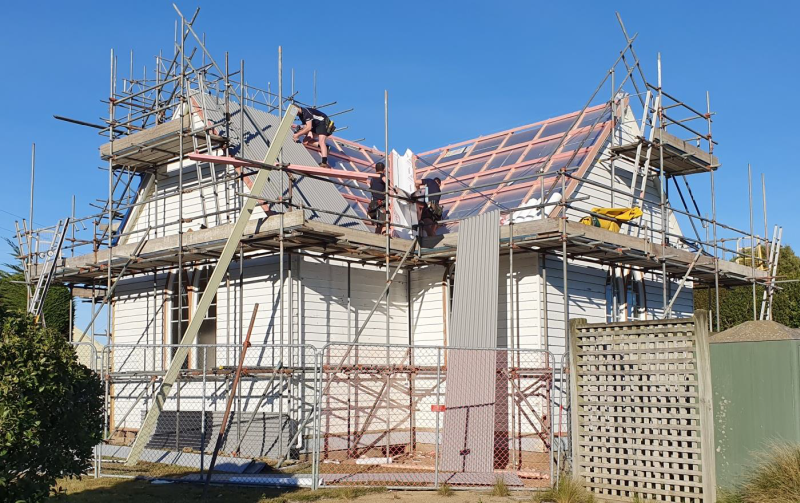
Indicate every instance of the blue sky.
{"type": "Point", "coordinates": [454, 70]}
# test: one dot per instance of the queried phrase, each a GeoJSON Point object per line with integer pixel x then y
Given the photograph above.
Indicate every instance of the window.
{"type": "Point", "coordinates": [208, 329]}
{"type": "Point", "coordinates": [201, 284]}
{"type": "Point", "coordinates": [181, 307]}
{"type": "Point", "coordinates": [455, 154]}
{"type": "Point", "coordinates": [178, 311]}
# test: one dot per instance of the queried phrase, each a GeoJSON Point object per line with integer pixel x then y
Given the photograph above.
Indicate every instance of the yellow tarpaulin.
{"type": "Point", "coordinates": [621, 214]}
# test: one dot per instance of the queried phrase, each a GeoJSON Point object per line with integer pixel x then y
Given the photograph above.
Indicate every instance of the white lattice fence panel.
{"type": "Point", "coordinates": [641, 410]}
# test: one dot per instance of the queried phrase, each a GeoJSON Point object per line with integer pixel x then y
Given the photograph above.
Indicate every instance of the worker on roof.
{"type": "Point", "coordinates": [317, 127]}
{"type": "Point", "coordinates": [377, 206]}
{"type": "Point", "coordinates": [429, 211]}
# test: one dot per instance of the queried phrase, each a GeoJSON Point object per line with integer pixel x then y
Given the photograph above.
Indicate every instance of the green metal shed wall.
{"type": "Point", "coordinates": [756, 401]}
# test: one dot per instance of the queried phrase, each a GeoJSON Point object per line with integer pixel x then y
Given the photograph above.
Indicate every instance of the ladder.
{"type": "Point", "coordinates": [48, 268]}
{"type": "Point", "coordinates": [774, 254]}
{"type": "Point", "coordinates": [209, 149]}
{"type": "Point", "coordinates": [650, 117]}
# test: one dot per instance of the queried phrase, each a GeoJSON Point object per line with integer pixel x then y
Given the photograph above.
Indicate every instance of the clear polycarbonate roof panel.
{"type": "Point", "coordinates": [524, 136]}
{"type": "Point", "coordinates": [502, 170]}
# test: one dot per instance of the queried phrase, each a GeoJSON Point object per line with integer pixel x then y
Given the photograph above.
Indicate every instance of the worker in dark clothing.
{"type": "Point", "coordinates": [429, 211]}
{"type": "Point", "coordinates": [317, 127]}
{"type": "Point", "coordinates": [377, 206]}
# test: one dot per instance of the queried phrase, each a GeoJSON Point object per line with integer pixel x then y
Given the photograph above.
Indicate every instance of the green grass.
{"type": "Point", "coordinates": [115, 490]}
{"type": "Point", "coordinates": [500, 488]}
{"type": "Point", "coordinates": [776, 478]}
{"type": "Point", "coordinates": [569, 490]}
{"type": "Point", "coordinates": [445, 490]}
{"type": "Point", "coordinates": [339, 493]}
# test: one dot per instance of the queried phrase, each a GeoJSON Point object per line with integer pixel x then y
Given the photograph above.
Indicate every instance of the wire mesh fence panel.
{"type": "Point", "coordinates": [87, 354]}
{"type": "Point", "coordinates": [426, 416]}
{"type": "Point", "coordinates": [561, 418]}
{"type": "Point", "coordinates": [264, 426]}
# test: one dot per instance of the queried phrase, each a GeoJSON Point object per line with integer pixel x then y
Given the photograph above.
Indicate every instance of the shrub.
{"type": "Point", "coordinates": [55, 311]}
{"type": "Point", "coordinates": [50, 410]}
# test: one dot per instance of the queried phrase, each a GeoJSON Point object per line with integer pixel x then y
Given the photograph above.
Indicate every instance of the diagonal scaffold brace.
{"type": "Point", "coordinates": [225, 258]}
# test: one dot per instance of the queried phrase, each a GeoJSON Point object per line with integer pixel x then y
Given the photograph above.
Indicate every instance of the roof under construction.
{"type": "Point", "coordinates": [531, 173]}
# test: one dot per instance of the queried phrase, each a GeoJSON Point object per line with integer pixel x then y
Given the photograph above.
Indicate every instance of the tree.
{"type": "Point", "coordinates": [13, 296]}
{"type": "Point", "coordinates": [50, 410]}
{"type": "Point", "coordinates": [736, 304]}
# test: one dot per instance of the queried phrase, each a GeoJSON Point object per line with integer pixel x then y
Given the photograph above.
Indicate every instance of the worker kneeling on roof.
{"type": "Point", "coordinates": [317, 127]}
{"type": "Point", "coordinates": [429, 211]}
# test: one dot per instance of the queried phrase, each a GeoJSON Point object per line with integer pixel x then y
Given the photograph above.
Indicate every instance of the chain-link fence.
{"type": "Point", "coordinates": [269, 432]}
{"type": "Point", "coordinates": [427, 416]}
{"type": "Point", "coordinates": [88, 355]}
{"type": "Point", "coordinates": [348, 414]}
{"type": "Point", "coordinates": [561, 418]}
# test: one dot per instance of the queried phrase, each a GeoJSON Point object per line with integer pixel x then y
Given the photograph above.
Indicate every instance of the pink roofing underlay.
{"type": "Point", "coordinates": [486, 187]}
{"type": "Point", "coordinates": [496, 171]}
{"type": "Point", "coordinates": [489, 176]}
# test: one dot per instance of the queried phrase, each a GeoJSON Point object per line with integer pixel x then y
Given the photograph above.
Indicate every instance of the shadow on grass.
{"type": "Point", "coordinates": [120, 490]}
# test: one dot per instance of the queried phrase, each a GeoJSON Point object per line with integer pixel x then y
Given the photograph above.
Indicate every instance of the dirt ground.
{"type": "Point", "coordinates": [117, 490]}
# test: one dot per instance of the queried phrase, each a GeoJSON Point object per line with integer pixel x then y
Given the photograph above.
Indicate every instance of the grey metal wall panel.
{"type": "Point", "coordinates": [259, 127]}
{"type": "Point", "coordinates": [468, 442]}
{"type": "Point", "coordinates": [474, 316]}
{"type": "Point", "coordinates": [469, 417]}
{"type": "Point", "coordinates": [267, 436]}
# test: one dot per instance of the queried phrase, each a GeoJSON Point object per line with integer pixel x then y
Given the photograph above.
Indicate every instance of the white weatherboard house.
{"type": "Point", "coordinates": [331, 295]}
{"type": "Point", "coordinates": [544, 178]}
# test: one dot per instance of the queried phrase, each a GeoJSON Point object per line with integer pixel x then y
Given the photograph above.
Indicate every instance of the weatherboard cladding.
{"type": "Point", "coordinates": [469, 418]}
{"type": "Point", "coordinates": [259, 129]}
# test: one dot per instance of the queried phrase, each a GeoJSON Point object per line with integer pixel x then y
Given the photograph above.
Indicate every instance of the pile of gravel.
{"type": "Point", "coordinates": [753, 331]}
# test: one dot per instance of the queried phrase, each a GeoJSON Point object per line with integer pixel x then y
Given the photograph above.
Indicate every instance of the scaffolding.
{"type": "Point", "coordinates": [163, 117]}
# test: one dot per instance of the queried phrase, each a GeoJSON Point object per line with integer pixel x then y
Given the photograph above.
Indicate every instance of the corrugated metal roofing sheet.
{"type": "Point", "coordinates": [259, 126]}
{"type": "Point", "coordinates": [351, 156]}
{"type": "Point", "coordinates": [474, 317]}
{"type": "Point", "coordinates": [469, 421]}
